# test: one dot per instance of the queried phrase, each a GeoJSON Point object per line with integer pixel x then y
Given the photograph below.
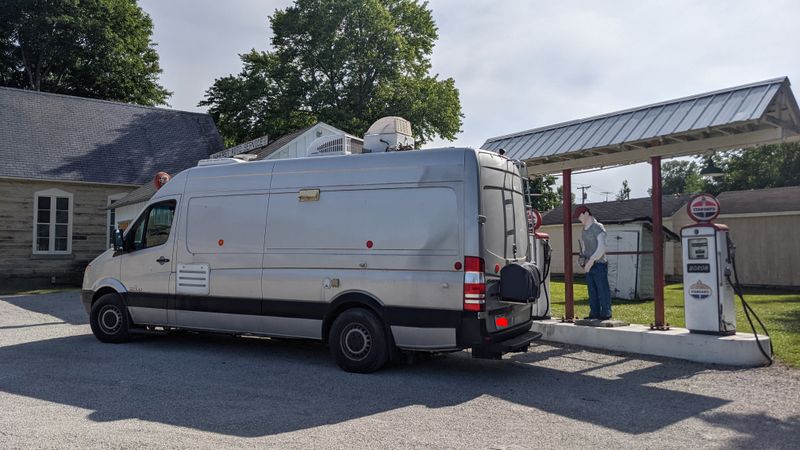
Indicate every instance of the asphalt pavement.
{"type": "Point", "coordinates": [61, 388]}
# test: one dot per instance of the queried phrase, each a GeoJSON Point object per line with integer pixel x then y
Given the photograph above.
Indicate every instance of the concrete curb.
{"type": "Point", "coordinates": [740, 349]}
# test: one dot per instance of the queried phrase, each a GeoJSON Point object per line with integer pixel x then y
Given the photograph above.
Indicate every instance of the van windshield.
{"type": "Point", "coordinates": [505, 232]}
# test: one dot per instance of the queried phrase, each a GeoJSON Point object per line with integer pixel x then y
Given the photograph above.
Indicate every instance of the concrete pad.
{"type": "Point", "coordinates": [740, 349]}
{"type": "Point", "coordinates": [601, 323]}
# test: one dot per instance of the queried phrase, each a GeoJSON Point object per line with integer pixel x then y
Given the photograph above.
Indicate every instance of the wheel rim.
{"type": "Point", "coordinates": [110, 319]}
{"type": "Point", "coordinates": [356, 342]}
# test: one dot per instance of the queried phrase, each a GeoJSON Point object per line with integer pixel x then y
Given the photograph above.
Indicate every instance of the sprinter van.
{"type": "Point", "coordinates": [371, 253]}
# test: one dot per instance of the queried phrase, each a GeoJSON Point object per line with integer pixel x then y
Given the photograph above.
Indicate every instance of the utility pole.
{"type": "Point", "coordinates": [607, 194]}
{"type": "Point", "coordinates": [583, 192]}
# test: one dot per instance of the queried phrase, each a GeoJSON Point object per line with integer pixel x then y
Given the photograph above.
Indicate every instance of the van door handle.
{"type": "Point", "coordinates": [162, 260]}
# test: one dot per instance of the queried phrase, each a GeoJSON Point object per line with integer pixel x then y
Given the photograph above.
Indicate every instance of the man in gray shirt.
{"type": "Point", "coordinates": [593, 260]}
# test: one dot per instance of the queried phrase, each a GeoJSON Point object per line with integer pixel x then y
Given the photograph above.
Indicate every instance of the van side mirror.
{"type": "Point", "coordinates": [119, 243]}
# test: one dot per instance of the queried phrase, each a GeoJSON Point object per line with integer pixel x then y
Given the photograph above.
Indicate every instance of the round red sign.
{"type": "Point", "coordinates": [534, 220]}
{"type": "Point", "coordinates": [703, 208]}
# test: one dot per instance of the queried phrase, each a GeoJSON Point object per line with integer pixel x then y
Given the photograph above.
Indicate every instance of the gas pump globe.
{"type": "Point", "coordinates": [708, 295]}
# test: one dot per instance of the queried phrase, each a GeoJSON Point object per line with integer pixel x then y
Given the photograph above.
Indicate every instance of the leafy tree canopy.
{"type": "Point", "coordinates": [88, 48]}
{"type": "Point", "coordinates": [541, 194]}
{"type": "Point", "coordinates": [680, 176]}
{"type": "Point", "coordinates": [343, 62]}
{"type": "Point", "coordinates": [768, 166]}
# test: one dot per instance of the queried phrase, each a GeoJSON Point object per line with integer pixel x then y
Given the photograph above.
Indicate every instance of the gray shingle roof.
{"type": "Point", "coordinates": [59, 137]}
{"type": "Point", "coordinates": [623, 211]}
{"type": "Point", "coordinates": [141, 194]}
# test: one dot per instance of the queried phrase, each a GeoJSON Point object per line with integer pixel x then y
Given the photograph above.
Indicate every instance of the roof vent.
{"type": "Point", "coordinates": [330, 145]}
{"type": "Point", "coordinates": [389, 134]}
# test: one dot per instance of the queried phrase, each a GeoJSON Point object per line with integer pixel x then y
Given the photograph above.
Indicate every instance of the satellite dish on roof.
{"type": "Point", "coordinates": [161, 179]}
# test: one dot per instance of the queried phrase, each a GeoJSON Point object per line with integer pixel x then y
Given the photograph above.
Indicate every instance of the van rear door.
{"type": "Point", "coordinates": [504, 234]}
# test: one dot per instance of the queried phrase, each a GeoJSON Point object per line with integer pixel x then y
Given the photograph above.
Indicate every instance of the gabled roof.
{"type": "Point", "coordinates": [59, 137]}
{"type": "Point", "coordinates": [770, 200]}
{"type": "Point", "coordinates": [141, 194]}
{"type": "Point", "coordinates": [752, 114]}
{"type": "Point", "coordinates": [277, 144]}
{"type": "Point", "coordinates": [623, 211]}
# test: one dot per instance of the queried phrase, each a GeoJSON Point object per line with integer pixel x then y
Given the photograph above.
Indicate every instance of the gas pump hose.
{"type": "Point", "coordinates": [548, 251]}
{"type": "Point", "coordinates": [737, 288]}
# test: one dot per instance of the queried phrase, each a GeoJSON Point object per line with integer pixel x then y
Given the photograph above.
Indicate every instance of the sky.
{"type": "Point", "coordinates": [521, 64]}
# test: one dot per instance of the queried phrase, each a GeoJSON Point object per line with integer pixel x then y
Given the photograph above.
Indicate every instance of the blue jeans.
{"type": "Point", "coordinates": [599, 292]}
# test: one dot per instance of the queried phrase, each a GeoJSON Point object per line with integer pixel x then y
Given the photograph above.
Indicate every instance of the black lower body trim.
{"type": "Point", "coordinates": [299, 309]}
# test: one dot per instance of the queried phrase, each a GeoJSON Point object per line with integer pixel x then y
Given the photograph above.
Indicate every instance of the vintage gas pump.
{"type": "Point", "coordinates": [708, 293]}
{"type": "Point", "coordinates": [540, 245]}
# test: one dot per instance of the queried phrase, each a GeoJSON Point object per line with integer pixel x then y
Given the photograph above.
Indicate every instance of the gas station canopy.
{"type": "Point", "coordinates": [754, 114]}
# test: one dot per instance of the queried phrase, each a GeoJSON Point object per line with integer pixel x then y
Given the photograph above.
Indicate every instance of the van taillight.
{"type": "Point", "coordinates": [474, 284]}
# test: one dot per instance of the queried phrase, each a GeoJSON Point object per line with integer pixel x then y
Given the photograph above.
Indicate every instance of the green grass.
{"type": "Point", "coordinates": [780, 312]}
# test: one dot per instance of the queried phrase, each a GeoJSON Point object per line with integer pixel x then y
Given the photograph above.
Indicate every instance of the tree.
{"type": "Point", "coordinates": [541, 194]}
{"type": "Point", "coordinates": [88, 48]}
{"type": "Point", "coordinates": [681, 177]}
{"type": "Point", "coordinates": [768, 166]}
{"type": "Point", "coordinates": [560, 193]}
{"type": "Point", "coordinates": [624, 192]}
{"type": "Point", "coordinates": [343, 62]}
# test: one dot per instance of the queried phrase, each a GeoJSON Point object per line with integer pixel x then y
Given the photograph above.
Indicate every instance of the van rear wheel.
{"type": "Point", "coordinates": [109, 319]}
{"type": "Point", "coordinates": [358, 341]}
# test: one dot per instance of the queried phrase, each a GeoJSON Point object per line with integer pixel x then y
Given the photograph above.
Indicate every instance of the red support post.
{"type": "Point", "coordinates": [569, 306]}
{"type": "Point", "coordinates": [658, 247]}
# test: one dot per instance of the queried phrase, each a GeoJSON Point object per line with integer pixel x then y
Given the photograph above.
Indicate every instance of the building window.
{"type": "Point", "coordinates": [111, 221]}
{"type": "Point", "coordinates": [52, 222]}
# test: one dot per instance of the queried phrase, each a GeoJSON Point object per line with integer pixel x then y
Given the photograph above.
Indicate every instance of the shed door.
{"type": "Point", "coordinates": [622, 268]}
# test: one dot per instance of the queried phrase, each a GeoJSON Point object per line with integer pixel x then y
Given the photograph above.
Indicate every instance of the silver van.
{"type": "Point", "coordinates": [372, 254]}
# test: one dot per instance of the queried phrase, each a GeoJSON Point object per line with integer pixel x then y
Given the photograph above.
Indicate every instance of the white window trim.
{"type": "Point", "coordinates": [111, 199]}
{"type": "Point", "coordinates": [52, 193]}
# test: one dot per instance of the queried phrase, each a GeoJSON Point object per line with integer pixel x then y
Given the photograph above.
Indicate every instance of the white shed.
{"type": "Point", "coordinates": [630, 259]}
{"type": "Point", "coordinates": [630, 272]}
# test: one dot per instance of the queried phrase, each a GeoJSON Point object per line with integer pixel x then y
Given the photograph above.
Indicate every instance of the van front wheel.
{"type": "Point", "coordinates": [358, 341]}
{"type": "Point", "coordinates": [109, 319]}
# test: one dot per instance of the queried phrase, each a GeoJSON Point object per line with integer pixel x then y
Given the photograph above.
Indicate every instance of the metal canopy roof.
{"type": "Point", "coordinates": [743, 116]}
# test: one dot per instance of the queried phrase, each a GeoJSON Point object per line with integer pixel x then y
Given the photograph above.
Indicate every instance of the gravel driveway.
{"type": "Point", "coordinates": [60, 387]}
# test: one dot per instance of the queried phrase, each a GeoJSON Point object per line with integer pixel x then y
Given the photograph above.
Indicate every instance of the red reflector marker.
{"type": "Point", "coordinates": [497, 268]}
{"type": "Point", "coordinates": [501, 322]}
{"type": "Point", "coordinates": [221, 242]}
{"type": "Point", "coordinates": [457, 265]}
{"type": "Point", "coordinates": [369, 244]}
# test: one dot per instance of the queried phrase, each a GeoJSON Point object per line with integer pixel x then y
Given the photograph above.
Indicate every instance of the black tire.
{"type": "Point", "coordinates": [358, 341]}
{"type": "Point", "coordinates": [109, 319]}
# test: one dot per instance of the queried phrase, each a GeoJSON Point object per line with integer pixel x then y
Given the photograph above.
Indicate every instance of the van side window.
{"type": "Point", "coordinates": [153, 228]}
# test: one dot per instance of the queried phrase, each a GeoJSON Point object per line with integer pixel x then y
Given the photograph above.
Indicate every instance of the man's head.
{"type": "Point", "coordinates": [582, 213]}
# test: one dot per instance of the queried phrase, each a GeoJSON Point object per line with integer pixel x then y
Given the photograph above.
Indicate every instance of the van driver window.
{"type": "Point", "coordinates": [153, 228]}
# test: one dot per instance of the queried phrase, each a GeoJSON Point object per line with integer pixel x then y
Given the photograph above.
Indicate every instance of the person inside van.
{"type": "Point", "coordinates": [595, 264]}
